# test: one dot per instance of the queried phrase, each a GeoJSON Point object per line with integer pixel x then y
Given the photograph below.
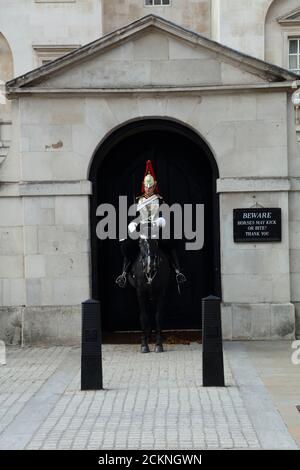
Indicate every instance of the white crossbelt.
{"type": "Point", "coordinates": [148, 201]}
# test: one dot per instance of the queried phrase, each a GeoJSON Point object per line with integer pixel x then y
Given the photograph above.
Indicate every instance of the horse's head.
{"type": "Point", "coordinates": [149, 254]}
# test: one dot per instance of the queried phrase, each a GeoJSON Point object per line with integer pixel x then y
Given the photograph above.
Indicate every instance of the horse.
{"type": "Point", "coordinates": [150, 275]}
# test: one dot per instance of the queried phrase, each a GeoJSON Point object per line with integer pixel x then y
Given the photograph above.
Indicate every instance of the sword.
{"type": "Point", "coordinates": [178, 287]}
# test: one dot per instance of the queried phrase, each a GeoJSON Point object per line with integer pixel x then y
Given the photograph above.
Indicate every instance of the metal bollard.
{"type": "Point", "coordinates": [212, 356]}
{"type": "Point", "coordinates": [91, 354]}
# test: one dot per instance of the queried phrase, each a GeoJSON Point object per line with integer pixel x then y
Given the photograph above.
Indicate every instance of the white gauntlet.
{"type": "Point", "coordinates": [132, 227]}
{"type": "Point", "coordinates": [161, 222]}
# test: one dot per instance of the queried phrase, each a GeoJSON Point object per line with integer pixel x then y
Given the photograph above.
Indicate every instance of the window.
{"type": "Point", "coordinates": [294, 54]}
{"type": "Point", "coordinates": [150, 3]}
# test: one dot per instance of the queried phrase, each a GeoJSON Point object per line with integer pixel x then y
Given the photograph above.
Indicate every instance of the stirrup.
{"type": "Point", "coordinates": [121, 280]}
{"type": "Point", "coordinates": [180, 278]}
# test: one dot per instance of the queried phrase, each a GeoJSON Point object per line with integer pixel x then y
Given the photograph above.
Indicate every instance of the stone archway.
{"type": "Point", "coordinates": [187, 173]}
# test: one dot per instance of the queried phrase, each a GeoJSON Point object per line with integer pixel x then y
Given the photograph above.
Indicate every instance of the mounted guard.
{"type": "Point", "coordinates": [148, 205]}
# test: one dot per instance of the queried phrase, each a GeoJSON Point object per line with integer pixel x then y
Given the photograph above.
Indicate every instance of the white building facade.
{"type": "Point", "coordinates": [82, 76]}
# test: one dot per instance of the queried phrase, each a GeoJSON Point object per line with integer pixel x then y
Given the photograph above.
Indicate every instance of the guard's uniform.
{"type": "Point", "coordinates": [148, 227]}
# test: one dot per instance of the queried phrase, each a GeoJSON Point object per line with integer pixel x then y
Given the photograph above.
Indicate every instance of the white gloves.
{"type": "Point", "coordinates": [161, 222]}
{"type": "Point", "coordinates": [132, 227]}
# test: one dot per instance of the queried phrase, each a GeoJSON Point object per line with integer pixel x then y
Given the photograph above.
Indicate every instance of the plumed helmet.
{"type": "Point", "coordinates": [149, 181]}
{"type": "Point", "coordinates": [149, 178]}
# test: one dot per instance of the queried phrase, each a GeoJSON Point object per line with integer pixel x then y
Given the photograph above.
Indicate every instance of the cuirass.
{"type": "Point", "coordinates": [150, 212]}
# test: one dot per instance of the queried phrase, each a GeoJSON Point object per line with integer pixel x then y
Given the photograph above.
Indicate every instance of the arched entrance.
{"type": "Point", "coordinates": [187, 173]}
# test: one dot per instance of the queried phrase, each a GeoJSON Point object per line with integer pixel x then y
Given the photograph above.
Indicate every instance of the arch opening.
{"type": "Point", "coordinates": [187, 172]}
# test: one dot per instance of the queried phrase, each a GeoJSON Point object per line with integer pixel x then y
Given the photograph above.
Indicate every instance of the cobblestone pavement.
{"type": "Point", "coordinates": [149, 401]}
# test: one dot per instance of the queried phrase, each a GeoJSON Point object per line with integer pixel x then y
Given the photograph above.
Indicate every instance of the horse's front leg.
{"type": "Point", "coordinates": [159, 319]}
{"type": "Point", "coordinates": [145, 323]}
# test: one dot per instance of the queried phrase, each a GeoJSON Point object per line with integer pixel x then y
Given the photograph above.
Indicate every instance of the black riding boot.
{"type": "Point", "coordinates": [122, 279]}
{"type": "Point", "coordinates": [180, 277]}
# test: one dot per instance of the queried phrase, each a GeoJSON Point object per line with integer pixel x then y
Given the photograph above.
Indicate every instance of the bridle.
{"type": "Point", "coordinates": [146, 258]}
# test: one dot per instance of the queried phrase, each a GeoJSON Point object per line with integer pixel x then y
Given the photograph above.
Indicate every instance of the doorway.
{"type": "Point", "coordinates": [186, 172]}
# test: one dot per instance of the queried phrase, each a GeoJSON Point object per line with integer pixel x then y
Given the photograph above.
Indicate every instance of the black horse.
{"type": "Point", "coordinates": [149, 275]}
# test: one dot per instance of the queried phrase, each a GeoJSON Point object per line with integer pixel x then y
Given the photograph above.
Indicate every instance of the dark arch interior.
{"type": "Point", "coordinates": [186, 173]}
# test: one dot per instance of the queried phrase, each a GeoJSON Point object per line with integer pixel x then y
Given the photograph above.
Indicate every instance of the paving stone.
{"type": "Point", "coordinates": [157, 404]}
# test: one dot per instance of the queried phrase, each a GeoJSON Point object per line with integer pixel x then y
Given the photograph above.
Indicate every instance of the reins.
{"type": "Point", "coordinates": [147, 264]}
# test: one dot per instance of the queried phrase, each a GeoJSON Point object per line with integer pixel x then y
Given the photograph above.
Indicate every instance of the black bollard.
{"type": "Point", "coordinates": [91, 356]}
{"type": "Point", "coordinates": [212, 356]}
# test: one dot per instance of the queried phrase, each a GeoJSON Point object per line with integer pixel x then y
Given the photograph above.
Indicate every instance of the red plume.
{"type": "Point", "coordinates": [149, 169]}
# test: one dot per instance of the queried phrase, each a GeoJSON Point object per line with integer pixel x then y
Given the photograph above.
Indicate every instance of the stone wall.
{"type": "Point", "coordinates": [192, 14]}
{"type": "Point", "coordinates": [242, 25]}
{"type": "Point", "coordinates": [256, 277]}
{"type": "Point", "coordinates": [51, 277]}
{"type": "Point", "coordinates": [27, 23]}
{"type": "Point", "coordinates": [294, 214]}
{"type": "Point", "coordinates": [44, 211]}
{"type": "Point", "coordinates": [276, 41]}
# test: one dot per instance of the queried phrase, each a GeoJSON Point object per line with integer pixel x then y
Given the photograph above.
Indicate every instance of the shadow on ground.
{"type": "Point", "coordinates": [169, 337]}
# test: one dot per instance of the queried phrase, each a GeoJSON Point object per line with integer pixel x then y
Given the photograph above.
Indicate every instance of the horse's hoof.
{"type": "Point", "coordinates": [145, 349]}
{"type": "Point", "coordinates": [159, 348]}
